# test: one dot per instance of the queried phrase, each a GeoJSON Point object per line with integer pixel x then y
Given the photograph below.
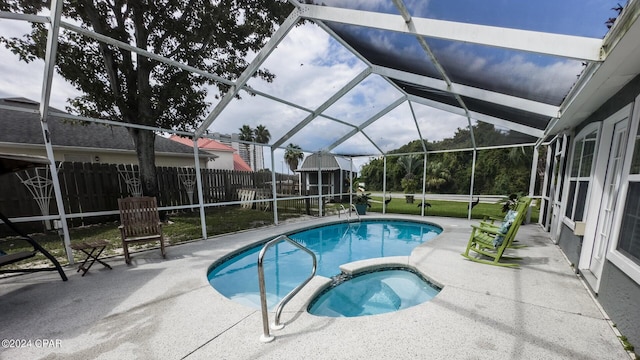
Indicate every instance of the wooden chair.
{"type": "Point", "coordinates": [485, 237]}
{"type": "Point", "coordinates": [139, 222]}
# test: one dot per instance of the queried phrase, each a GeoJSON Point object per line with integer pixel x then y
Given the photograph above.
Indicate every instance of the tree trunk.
{"type": "Point", "coordinates": [145, 148]}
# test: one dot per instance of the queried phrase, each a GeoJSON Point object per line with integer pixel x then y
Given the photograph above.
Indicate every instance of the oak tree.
{"type": "Point", "coordinates": [214, 36]}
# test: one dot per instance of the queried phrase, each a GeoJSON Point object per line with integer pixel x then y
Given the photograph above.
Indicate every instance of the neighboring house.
{"type": "Point", "coordinates": [81, 142]}
{"type": "Point", "coordinates": [256, 162]}
{"type": "Point", "coordinates": [592, 196]}
{"type": "Point", "coordinates": [335, 174]}
{"type": "Point", "coordinates": [239, 164]}
{"type": "Point", "coordinates": [226, 157]}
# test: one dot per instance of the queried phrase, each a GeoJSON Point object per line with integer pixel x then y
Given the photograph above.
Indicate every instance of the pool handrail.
{"type": "Point", "coordinates": [352, 207]}
{"type": "Point", "coordinates": [343, 209]}
{"type": "Point", "coordinates": [355, 210]}
{"type": "Point", "coordinates": [266, 336]}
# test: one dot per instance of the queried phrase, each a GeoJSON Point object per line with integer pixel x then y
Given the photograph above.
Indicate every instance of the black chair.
{"type": "Point", "coordinates": [11, 163]}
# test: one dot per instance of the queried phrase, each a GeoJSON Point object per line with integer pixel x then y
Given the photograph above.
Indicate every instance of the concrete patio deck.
{"type": "Point", "coordinates": [166, 309]}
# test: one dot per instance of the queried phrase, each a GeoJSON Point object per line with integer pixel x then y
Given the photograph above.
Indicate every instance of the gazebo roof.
{"type": "Point", "coordinates": [326, 162]}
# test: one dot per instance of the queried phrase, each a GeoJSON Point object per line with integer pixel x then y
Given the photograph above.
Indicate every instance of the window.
{"type": "Point", "coordinates": [582, 166]}
{"type": "Point", "coordinates": [629, 243]}
{"type": "Point", "coordinates": [625, 250]}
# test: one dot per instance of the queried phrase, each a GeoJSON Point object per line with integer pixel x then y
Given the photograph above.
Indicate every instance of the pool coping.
{"type": "Point", "coordinates": [319, 284]}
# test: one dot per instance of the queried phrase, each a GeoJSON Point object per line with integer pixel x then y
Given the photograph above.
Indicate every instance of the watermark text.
{"type": "Point", "coordinates": [30, 343]}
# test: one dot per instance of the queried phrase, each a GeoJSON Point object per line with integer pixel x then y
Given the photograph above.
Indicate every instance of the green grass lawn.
{"type": "Point", "coordinates": [444, 208]}
{"type": "Point", "coordinates": [181, 228]}
{"type": "Point", "coordinates": [221, 220]}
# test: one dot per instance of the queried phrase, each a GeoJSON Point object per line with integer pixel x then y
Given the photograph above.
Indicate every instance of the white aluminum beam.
{"type": "Point", "coordinates": [479, 148]}
{"type": "Point", "coordinates": [196, 160]}
{"type": "Point", "coordinates": [588, 94]}
{"type": "Point", "coordinates": [49, 68]}
{"type": "Point", "coordinates": [118, 123]}
{"type": "Point", "coordinates": [411, 26]}
{"type": "Point", "coordinates": [507, 124]}
{"type": "Point", "coordinates": [469, 91]}
{"type": "Point", "coordinates": [479, 116]}
{"type": "Point", "coordinates": [377, 116]}
{"type": "Point", "coordinates": [293, 105]}
{"type": "Point", "coordinates": [373, 142]}
{"type": "Point", "coordinates": [253, 91]}
{"type": "Point", "coordinates": [415, 121]}
{"type": "Point", "coordinates": [335, 97]}
{"type": "Point", "coordinates": [25, 17]}
{"type": "Point", "coordinates": [568, 46]}
{"type": "Point", "coordinates": [404, 12]}
{"type": "Point", "coordinates": [145, 53]}
{"type": "Point", "coordinates": [266, 50]}
{"type": "Point", "coordinates": [437, 105]}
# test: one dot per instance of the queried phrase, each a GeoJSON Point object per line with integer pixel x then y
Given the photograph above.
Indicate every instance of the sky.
{"type": "Point", "coordinates": [310, 67]}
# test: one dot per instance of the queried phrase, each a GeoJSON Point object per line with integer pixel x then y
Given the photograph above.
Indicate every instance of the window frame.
{"type": "Point", "coordinates": [627, 265]}
{"type": "Point", "coordinates": [569, 178]}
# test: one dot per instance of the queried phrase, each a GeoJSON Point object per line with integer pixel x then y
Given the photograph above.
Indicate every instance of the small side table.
{"type": "Point", "coordinates": [92, 249]}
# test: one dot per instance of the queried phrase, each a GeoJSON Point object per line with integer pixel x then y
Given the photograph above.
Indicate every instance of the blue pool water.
{"type": "Point", "coordinates": [286, 266]}
{"type": "Point", "coordinates": [374, 293]}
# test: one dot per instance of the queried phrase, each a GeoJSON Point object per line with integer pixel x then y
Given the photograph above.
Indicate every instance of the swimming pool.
{"type": "Point", "coordinates": [286, 266]}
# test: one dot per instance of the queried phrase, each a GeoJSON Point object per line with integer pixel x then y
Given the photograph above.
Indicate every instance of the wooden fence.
{"type": "Point", "coordinates": [93, 187]}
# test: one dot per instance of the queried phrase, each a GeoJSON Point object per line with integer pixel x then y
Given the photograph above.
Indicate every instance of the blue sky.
{"type": "Point", "coordinates": [310, 67]}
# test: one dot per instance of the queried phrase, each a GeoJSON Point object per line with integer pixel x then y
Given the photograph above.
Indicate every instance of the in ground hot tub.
{"type": "Point", "coordinates": [374, 292]}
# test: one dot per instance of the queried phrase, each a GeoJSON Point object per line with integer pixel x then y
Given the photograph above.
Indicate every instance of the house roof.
{"type": "Point", "coordinates": [328, 162]}
{"type": "Point", "coordinates": [211, 145]}
{"type": "Point", "coordinates": [239, 164]}
{"type": "Point", "coordinates": [206, 144]}
{"type": "Point", "coordinates": [23, 127]}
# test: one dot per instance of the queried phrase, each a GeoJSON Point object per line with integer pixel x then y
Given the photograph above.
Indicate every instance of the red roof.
{"type": "Point", "coordinates": [209, 144]}
{"type": "Point", "coordinates": [206, 144]}
{"type": "Point", "coordinates": [239, 164]}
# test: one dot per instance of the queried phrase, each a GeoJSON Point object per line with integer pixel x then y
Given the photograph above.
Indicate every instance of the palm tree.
{"type": "Point", "coordinates": [409, 184]}
{"type": "Point", "coordinates": [261, 136]}
{"type": "Point", "coordinates": [293, 155]}
{"type": "Point", "coordinates": [437, 175]}
{"type": "Point", "coordinates": [247, 134]}
{"type": "Point", "coordinates": [409, 163]}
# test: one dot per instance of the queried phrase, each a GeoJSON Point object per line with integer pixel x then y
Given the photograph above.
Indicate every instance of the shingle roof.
{"type": "Point", "coordinates": [24, 128]}
{"type": "Point", "coordinates": [329, 162]}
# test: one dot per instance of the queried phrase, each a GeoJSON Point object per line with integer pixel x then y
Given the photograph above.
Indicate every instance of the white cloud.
{"type": "Point", "coordinates": [528, 74]}
{"type": "Point", "coordinates": [20, 79]}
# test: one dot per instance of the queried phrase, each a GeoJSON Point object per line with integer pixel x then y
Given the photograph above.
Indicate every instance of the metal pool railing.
{"type": "Point", "coordinates": [266, 336]}
{"type": "Point", "coordinates": [353, 207]}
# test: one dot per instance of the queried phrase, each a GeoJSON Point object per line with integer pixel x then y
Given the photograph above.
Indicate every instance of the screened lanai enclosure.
{"type": "Point", "coordinates": [358, 79]}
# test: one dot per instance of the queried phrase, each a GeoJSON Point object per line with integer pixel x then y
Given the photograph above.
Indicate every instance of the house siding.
{"type": "Point", "coordinates": [570, 244]}
{"type": "Point", "coordinates": [103, 156]}
{"type": "Point", "coordinates": [621, 99]}
{"type": "Point", "coordinates": [619, 296]}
